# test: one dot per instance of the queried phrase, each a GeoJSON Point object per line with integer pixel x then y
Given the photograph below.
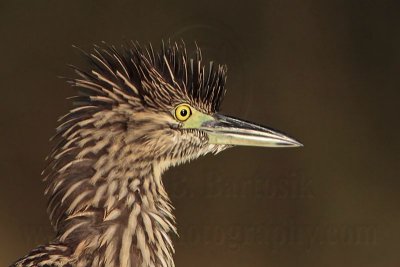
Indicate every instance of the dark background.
{"type": "Point", "coordinates": [326, 72]}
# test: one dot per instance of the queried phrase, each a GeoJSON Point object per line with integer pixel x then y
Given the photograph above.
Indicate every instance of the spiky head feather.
{"type": "Point", "coordinates": [152, 79]}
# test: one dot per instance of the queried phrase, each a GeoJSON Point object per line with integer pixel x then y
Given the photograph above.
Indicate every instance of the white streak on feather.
{"type": "Point", "coordinates": [142, 246]}
{"type": "Point", "coordinates": [99, 193]}
{"type": "Point", "coordinates": [70, 230]}
{"type": "Point", "coordinates": [124, 255]}
{"type": "Point", "coordinates": [72, 189]}
{"type": "Point", "coordinates": [114, 214]}
{"type": "Point", "coordinates": [77, 200]}
{"type": "Point", "coordinates": [105, 239]}
{"type": "Point", "coordinates": [101, 77]}
{"type": "Point", "coordinates": [103, 63]}
{"type": "Point", "coordinates": [148, 226]}
{"type": "Point", "coordinates": [127, 82]}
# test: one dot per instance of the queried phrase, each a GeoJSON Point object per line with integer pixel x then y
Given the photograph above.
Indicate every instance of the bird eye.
{"type": "Point", "coordinates": [182, 112]}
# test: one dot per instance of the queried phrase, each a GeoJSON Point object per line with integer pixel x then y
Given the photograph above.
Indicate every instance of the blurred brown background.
{"type": "Point", "coordinates": [326, 72]}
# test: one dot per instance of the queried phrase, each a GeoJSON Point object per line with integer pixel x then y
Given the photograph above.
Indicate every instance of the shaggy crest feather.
{"type": "Point", "coordinates": [157, 79]}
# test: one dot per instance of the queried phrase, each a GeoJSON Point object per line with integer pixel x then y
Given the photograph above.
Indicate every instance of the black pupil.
{"type": "Point", "coordinates": [184, 112]}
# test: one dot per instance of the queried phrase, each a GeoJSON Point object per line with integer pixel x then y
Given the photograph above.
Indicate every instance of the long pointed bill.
{"type": "Point", "coordinates": [230, 131]}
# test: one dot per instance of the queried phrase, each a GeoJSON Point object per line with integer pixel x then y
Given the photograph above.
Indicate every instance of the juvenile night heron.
{"type": "Point", "coordinates": [138, 113]}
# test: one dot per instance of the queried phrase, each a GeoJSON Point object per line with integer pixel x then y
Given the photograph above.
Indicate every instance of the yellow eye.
{"type": "Point", "coordinates": [183, 112]}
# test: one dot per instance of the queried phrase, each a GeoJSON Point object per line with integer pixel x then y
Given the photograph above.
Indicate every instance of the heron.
{"type": "Point", "coordinates": [136, 113]}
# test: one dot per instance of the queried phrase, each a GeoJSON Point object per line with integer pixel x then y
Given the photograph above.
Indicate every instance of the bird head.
{"type": "Point", "coordinates": [161, 106]}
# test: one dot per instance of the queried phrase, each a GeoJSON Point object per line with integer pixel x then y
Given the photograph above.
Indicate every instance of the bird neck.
{"type": "Point", "coordinates": [113, 214]}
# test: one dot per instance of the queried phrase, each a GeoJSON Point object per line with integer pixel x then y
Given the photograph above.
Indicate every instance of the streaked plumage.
{"type": "Point", "coordinates": [106, 198]}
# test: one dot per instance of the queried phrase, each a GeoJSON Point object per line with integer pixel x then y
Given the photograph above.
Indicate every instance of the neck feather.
{"type": "Point", "coordinates": [108, 203]}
